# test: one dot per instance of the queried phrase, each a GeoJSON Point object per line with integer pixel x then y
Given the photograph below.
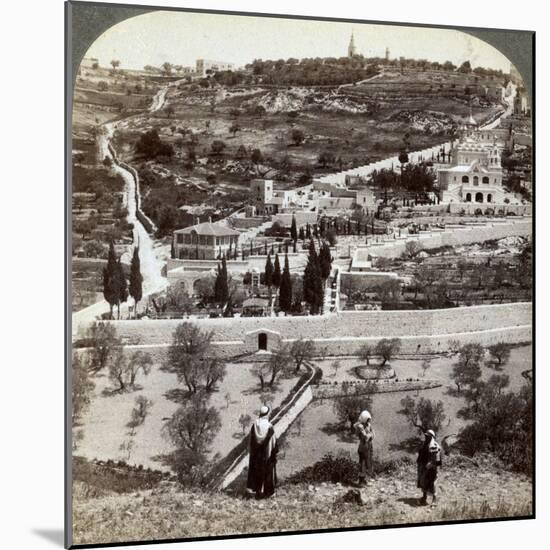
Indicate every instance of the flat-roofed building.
{"type": "Point", "coordinates": [203, 66]}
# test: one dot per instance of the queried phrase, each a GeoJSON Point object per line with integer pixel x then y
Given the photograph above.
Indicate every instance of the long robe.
{"type": "Point", "coordinates": [429, 458]}
{"type": "Point", "coordinates": [262, 466]}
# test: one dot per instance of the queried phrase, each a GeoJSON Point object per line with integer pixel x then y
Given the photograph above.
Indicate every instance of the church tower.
{"type": "Point", "coordinates": [351, 48]}
{"type": "Point", "coordinates": [387, 54]}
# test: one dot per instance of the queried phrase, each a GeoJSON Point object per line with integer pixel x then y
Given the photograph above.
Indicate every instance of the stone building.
{"type": "Point", "coordinates": [205, 241]}
{"type": "Point", "coordinates": [205, 65]}
{"type": "Point", "coordinates": [266, 200]}
{"type": "Point", "coordinates": [475, 173]}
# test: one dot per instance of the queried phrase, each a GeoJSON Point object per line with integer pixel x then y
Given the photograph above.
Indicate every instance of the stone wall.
{"type": "Point", "coordinates": [452, 235]}
{"type": "Point", "coordinates": [469, 208]}
{"type": "Point", "coordinates": [342, 334]}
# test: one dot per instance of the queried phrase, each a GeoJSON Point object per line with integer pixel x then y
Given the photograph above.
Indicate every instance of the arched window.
{"type": "Point", "coordinates": [468, 197]}
{"type": "Point", "coordinates": [476, 180]}
{"type": "Point", "coordinates": [479, 197]}
{"type": "Point", "coordinates": [485, 179]}
{"type": "Point", "coordinates": [489, 198]}
{"type": "Point", "coordinates": [465, 179]}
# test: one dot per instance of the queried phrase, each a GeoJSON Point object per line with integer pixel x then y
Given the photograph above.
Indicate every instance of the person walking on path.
{"type": "Point", "coordinates": [428, 461]}
{"type": "Point", "coordinates": [364, 430]}
{"type": "Point", "coordinates": [262, 465]}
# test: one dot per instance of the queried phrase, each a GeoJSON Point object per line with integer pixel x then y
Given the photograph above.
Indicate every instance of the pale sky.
{"type": "Point", "coordinates": [181, 38]}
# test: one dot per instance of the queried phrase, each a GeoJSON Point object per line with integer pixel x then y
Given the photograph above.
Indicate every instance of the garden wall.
{"type": "Point", "coordinates": [452, 236]}
{"type": "Point", "coordinates": [342, 334]}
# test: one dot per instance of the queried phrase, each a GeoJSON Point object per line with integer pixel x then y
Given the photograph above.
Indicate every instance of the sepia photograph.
{"type": "Point", "coordinates": [300, 274]}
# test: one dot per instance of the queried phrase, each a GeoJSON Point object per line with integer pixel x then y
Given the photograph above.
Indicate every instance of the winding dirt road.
{"type": "Point", "coordinates": [151, 263]}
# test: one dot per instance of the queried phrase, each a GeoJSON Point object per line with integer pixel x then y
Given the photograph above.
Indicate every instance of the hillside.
{"type": "Point", "coordinates": [466, 491]}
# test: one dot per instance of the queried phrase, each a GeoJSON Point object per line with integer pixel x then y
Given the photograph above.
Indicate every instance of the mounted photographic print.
{"type": "Point", "coordinates": [300, 274]}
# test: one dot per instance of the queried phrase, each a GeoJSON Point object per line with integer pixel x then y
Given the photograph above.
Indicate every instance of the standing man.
{"type": "Point", "coordinates": [364, 430]}
{"type": "Point", "coordinates": [262, 465]}
{"type": "Point", "coordinates": [429, 459]}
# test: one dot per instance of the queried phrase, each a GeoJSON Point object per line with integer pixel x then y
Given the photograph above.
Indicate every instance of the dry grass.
{"type": "Point", "coordinates": [166, 512]}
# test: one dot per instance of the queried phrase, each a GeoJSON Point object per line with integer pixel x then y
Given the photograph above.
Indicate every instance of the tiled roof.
{"type": "Point", "coordinates": [208, 228]}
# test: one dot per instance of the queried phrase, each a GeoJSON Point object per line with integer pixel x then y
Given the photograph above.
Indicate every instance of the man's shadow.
{"type": "Point", "coordinates": [414, 502]}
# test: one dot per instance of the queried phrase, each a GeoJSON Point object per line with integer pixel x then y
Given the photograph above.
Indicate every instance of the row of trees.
{"type": "Point", "coordinates": [115, 285]}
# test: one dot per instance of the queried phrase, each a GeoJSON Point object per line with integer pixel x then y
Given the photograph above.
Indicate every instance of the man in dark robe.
{"type": "Point", "coordinates": [429, 459]}
{"type": "Point", "coordinates": [262, 466]}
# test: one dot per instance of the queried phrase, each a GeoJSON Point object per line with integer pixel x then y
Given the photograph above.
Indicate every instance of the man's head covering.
{"type": "Point", "coordinates": [431, 433]}
{"type": "Point", "coordinates": [264, 410]}
{"type": "Point", "coordinates": [364, 416]}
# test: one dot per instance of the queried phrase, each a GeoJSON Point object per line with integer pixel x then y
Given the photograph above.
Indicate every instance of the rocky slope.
{"type": "Point", "coordinates": [466, 491]}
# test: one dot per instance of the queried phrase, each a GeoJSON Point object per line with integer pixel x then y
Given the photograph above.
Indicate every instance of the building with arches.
{"type": "Point", "coordinates": [475, 174]}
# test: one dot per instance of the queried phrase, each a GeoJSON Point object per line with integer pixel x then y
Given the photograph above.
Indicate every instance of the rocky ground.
{"type": "Point", "coordinates": [466, 491]}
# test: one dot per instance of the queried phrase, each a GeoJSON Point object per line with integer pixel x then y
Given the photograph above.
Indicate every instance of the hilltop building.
{"type": "Point", "coordinates": [205, 65]}
{"type": "Point", "coordinates": [205, 241]}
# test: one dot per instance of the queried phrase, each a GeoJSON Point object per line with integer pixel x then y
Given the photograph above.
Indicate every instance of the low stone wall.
{"type": "Point", "coordinates": [280, 425]}
{"type": "Point", "coordinates": [455, 235]}
{"type": "Point", "coordinates": [469, 208]}
{"type": "Point", "coordinates": [425, 331]}
{"type": "Point", "coordinates": [363, 280]}
{"type": "Point", "coordinates": [382, 386]}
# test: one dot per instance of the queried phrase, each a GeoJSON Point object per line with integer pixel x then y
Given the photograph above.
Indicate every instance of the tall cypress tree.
{"type": "Point", "coordinates": [277, 272]}
{"type": "Point", "coordinates": [293, 230]}
{"type": "Point", "coordinates": [136, 279]}
{"type": "Point", "coordinates": [111, 279]}
{"type": "Point", "coordinates": [221, 288]}
{"type": "Point", "coordinates": [268, 272]}
{"type": "Point", "coordinates": [325, 260]}
{"type": "Point", "coordinates": [285, 291]}
{"type": "Point", "coordinates": [122, 286]}
{"type": "Point", "coordinates": [313, 284]}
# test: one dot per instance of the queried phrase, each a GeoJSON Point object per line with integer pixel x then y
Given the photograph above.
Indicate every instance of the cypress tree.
{"type": "Point", "coordinates": [301, 235]}
{"type": "Point", "coordinates": [313, 284]}
{"type": "Point", "coordinates": [293, 231]}
{"type": "Point", "coordinates": [277, 272]}
{"type": "Point", "coordinates": [111, 279]}
{"type": "Point", "coordinates": [285, 291]}
{"type": "Point", "coordinates": [172, 250]}
{"type": "Point", "coordinates": [136, 279]}
{"type": "Point", "coordinates": [122, 286]}
{"type": "Point", "coordinates": [308, 231]}
{"type": "Point", "coordinates": [221, 289]}
{"type": "Point", "coordinates": [325, 260]}
{"type": "Point", "coordinates": [268, 272]}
